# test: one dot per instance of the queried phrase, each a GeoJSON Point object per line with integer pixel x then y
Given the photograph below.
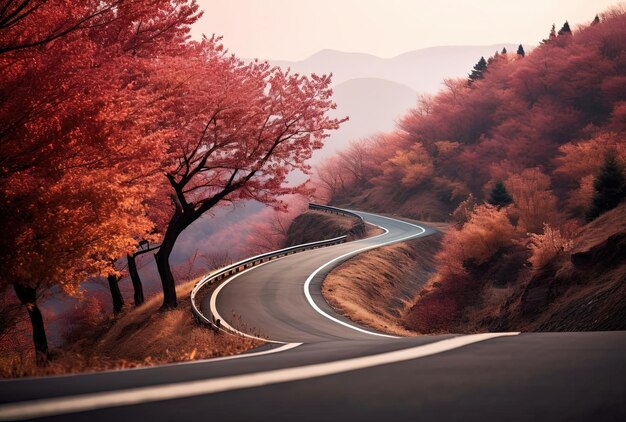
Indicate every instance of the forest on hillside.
{"type": "Point", "coordinates": [519, 156]}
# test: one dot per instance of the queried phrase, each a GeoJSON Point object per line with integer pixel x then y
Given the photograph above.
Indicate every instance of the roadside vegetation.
{"type": "Point", "coordinates": [139, 336]}
{"type": "Point", "coordinates": [378, 288]}
{"type": "Point", "coordinates": [526, 161]}
{"type": "Point", "coordinates": [118, 132]}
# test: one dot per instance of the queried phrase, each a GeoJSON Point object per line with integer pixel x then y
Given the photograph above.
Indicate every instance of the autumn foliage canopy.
{"type": "Point", "coordinates": [556, 110]}
{"type": "Point", "coordinates": [116, 129]}
{"type": "Point", "coordinates": [531, 129]}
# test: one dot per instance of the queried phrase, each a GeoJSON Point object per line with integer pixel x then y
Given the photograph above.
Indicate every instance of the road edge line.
{"type": "Point", "coordinates": [307, 283]}
{"type": "Point", "coordinates": [134, 396]}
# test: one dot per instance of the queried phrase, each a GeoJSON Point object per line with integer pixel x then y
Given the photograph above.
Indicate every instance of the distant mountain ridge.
{"type": "Point", "coordinates": [422, 70]}
{"type": "Point", "coordinates": [374, 92]}
{"type": "Point", "coordinates": [372, 104]}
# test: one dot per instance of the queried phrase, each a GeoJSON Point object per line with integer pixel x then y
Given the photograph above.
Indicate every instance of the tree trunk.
{"type": "Point", "coordinates": [116, 294]}
{"type": "Point", "coordinates": [181, 219]}
{"type": "Point", "coordinates": [134, 277]}
{"type": "Point", "coordinates": [165, 272]}
{"type": "Point", "coordinates": [28, 298]}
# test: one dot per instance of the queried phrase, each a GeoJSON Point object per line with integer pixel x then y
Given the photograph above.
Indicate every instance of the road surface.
{"type": "Point", "coordinates": [321, 366]}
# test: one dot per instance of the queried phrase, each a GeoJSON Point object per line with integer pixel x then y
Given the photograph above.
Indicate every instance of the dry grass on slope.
{"type": "Point", "coordinates": [585, 289]}
{"type": "Point", "coordinates": [378, 287]}
{"type": "Point", "coordinates": [313, 226]}
{"type": "Point", "coordinates": [424, 205]}
{"type": "Point", "coordinates": [141, 336]}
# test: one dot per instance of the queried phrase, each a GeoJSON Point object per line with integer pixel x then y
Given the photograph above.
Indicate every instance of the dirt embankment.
{"type": "Point", "coordinates": [313, 226]}
{"type": "Point", "coordinates": [141, 336]}
{"type": "Point", "coordinates": [584, 289]}
{"type": "Point", "coordinates": [375, 288]}
{"type": "Point", "coordinates": [378, 287]}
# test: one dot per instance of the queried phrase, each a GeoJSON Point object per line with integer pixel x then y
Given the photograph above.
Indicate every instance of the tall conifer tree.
{"type": "Point", "coordinates": [609, 187]}
{"type": "Point", "coordinates": [565, 30]}
{"type": "Point", "coordinates": [499, 196]}
{"type": "Point", "coordinates": [478, 71]}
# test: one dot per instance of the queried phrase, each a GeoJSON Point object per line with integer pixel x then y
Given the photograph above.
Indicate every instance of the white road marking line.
{"type": "Point", "coordinates": [132, 396]}
{"type": "Point", "coordinates": [307, 283]}
{"type": "Point", "coordinates": [283, 348]}
{"type": "Point", "coordinates": [228, 327]}
{"type": "Point", "coordinates": [213, 305]}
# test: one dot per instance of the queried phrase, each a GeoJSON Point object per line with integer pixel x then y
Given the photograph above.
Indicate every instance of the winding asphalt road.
{"type": "Point", "coordinates": [319, 366]}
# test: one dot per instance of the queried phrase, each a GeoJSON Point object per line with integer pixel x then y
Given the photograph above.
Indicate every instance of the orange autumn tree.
{"type": "Point", "coordinates": [579, 163]}
{"type": "Point", "coordinates": [79, 139]}
{"type": "Point", "coordinates": [487, 230]}
{"type": "Point", "coordinates": [533, 200]}
{"type": "Point", "coordinates": [240, 129]}
{"type": "Point", "coordinates": [411, 167]}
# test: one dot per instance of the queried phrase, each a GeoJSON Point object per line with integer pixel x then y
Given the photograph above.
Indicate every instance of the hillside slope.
{"type": "Point", "coordinates": [517, 156]}
{"type": "Point", "coordinates": [140, 336]}
{"type": "Point", "coordinates": [377, 288]}
{"type": "Point", "coordinates": [580, 290]}
{"type": "Point", "coordinates": [313, 226]}
{"type": "Point", "coordinates": [584, 290]}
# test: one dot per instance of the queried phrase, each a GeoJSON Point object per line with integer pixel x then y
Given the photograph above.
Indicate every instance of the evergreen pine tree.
{"type": "Point", "coordinates": [609, 187]}
{"type": "Point", "coordinates": [565, 30]}
{"type": "Point", "coordinates": [551, 36]}
{"type": "Point", "coordinates": [478, 71]}
{"type": "Point", "coordinates": [596, 20]}
{"type": "Point", "coordinates": [520, 51]}
{"type": "Point", "coordinates": [499, 196]}
{"type": "Point", "coordinates": [504, 50]}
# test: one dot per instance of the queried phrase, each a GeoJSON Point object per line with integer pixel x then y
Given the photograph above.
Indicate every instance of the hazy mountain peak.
{"type": "Point", "coordinates": [421, 70]}
{"type": "Point", "coordinates": [331, 54]}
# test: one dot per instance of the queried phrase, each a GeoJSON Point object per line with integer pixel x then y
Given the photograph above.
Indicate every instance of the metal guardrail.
{"type": "Point", "coordinates": [237, 267]}
{"type": "Point", "coordinates": [333, 210]}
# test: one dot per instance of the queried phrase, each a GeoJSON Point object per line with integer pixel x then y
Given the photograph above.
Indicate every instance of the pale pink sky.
{"type": "Point", "coordinates": [295, 29]}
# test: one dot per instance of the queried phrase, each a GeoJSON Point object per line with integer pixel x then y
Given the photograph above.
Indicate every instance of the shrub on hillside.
{"type": "Point", "coordinates": [436, 311]}
{"type": "Point", "coordinates": [87, 317]}
{"type": "Point", "coordinates": [581, 162]}
{"type": "Point", "coordinates": [548, 245]}
{"type": "Point", "coordinates": [463, 211]}
{"type": "Point", "coordinates": [533, 200]}
{"type": "Point", "coordinates": [484, 234]}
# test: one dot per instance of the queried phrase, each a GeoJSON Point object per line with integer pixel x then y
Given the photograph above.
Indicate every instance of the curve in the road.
{"type": "Point", "coordinates": [333, 262]}
{"type": "Point", "coordinates": [281, 301]}
{"type": "Point", "coordinates": [331, 369]}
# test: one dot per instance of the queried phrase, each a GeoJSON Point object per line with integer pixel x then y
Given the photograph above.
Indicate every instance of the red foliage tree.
{"type": "Point", "coordinates": [239, 130]}
{"type": "Point", "coordinates": [518, 115]}
{"type": "Point", "coordinates": [78, 135]}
